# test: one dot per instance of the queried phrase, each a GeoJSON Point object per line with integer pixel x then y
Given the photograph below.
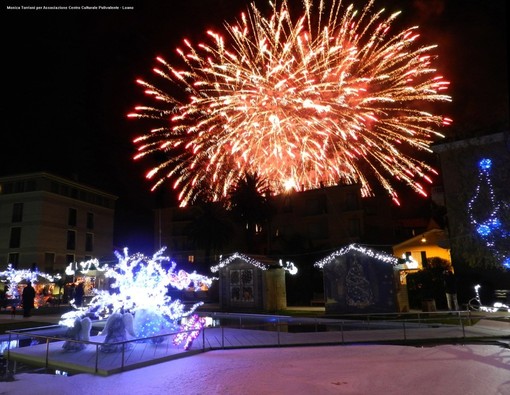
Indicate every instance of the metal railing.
{"type": "Point", "coordinates": [233, 330]}
{"type": "Point", "coordinates": [90, 356]}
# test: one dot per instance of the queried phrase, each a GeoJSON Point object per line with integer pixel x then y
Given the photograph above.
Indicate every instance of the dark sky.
{"type": "Point", "coordinates": [70, 81]}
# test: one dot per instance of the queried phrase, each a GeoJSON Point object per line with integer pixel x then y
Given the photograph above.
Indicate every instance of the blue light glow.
{"type": "Point", "coordinates": [485, 212]}
{"type": "Point", "coordinates": [483, 230]}
{"type": "Point", "coordinates": [485, 164]}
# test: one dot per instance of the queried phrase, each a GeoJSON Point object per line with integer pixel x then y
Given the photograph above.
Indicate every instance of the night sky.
{"type": "Point", "coordinates": [70, 81]}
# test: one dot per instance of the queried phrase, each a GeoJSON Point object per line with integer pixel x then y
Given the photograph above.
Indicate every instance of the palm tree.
{"type": "Point", "coordinates": [210, 229]}
{"type": "Point", "coordinates": [252, 207]}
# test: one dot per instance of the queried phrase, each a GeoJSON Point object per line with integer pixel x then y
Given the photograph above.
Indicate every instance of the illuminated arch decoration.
{"type": "Point", "coordinates": [485, 214]}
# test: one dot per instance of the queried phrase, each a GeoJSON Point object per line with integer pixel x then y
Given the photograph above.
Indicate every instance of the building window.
{"type": "Point", "coordinates": [191, 258]}
{"type": "Point", "coordinates": [287, 204]}
{"type": "Point", "coordinates": [17, 212]}
{"type": "Point", "coordinates": [423, 255]}
{"type": "Point", "coordinates": [19, 187]}
{"type": "Point", "coordinates": [241, 285]}
{"type": "Point", "coordinates": [354, 227]}
{"type": "Point", "coordinates": [71, 240]}
{"type": "Point", "coordinates": [71, 219]}
{"type": "Point", "coordinates": [49, 262]}
{"type": "Point", "coordinates": [89, 242]}
{"type": "Point", "coordinates": [318, 230]}
{"type": "Point", "coordinates": [90, 220]}
{"type": "Point", "coordinates": [15, 240]}
{"type": "Point", "coordinates": [14, 259]}
{"type": "Point", "coordinates": [316, 205]}
{"type": "Point", "coordinates": [351, 201]}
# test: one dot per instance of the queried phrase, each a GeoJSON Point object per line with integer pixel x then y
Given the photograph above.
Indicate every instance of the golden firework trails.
{"type": "Point", "coordinates": [329, 98]}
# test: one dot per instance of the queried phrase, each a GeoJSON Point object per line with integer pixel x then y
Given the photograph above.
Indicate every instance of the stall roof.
{"type": "Point", "coordinates": [259, 261]}
{"type": "Point", "coordinates": [381, 256]}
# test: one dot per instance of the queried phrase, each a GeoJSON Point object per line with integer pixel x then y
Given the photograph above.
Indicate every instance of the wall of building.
{"type": "Point", "coordinates": [460, 175]}
{"type": "Point", "coordinates": [430, 244]}
{"type": "Point", "coordinates": [46, 201]}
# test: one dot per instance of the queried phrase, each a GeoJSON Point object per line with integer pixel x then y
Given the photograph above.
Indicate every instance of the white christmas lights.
{"type": "Point", "coordinates": [140, 286]}
{"type": "Point", "coordinates": [84, 267]}
{"type": "Point", "coordinates": [366, 251]}
{"type": "Point", "coordinates": [12, 277]}
{"type": "Point", "coordinates": [227, 261]}
{"type": "Point", "coordinates": [288, 266]}
{"type": "Point", "coordinates": [498, 306]}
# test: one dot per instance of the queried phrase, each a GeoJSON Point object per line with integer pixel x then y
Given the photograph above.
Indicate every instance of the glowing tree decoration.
{"type": "Point", "coordinates": [358, 292]}
{"type": "Point", "coordinates": [486, 214]}
{"type": "Point", "coordinates": [330, 97]}
{"type": "Point", "coordinates": [140, 286]}
{"type": "Point", "coordinates": [189, 331]}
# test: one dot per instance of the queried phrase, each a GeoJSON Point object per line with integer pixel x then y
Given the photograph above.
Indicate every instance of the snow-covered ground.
{"type": "Point", "coordinates": [357, 369]}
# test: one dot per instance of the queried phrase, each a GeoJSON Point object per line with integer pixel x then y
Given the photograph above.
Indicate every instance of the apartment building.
{"type": "Point", "coordinates": [47, 221]}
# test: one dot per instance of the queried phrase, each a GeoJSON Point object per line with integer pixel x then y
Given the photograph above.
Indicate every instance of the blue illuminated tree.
{"type": "Point", "coordinates": [490, 216]}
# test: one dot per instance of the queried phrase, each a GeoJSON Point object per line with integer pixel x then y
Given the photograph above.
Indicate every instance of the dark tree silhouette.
{"type": "Point", "coordinates": [252, 207]}
{"type": "Point", "coordinates": [211, 229]}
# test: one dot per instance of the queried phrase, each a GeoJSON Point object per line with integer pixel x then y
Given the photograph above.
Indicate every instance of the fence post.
{"type": "Point", "coordinates": [47, 353]}
{"type": "Point", "coordinates": [97, 357]}
{"type": "Point", "coordinates": [222, 337]}
{"type": "Point", "coordinates": [462, 325]}
{"type": "Point", "coordinates": [122, 363]}
{"type": "Point", "coordinates": [203, 339]}
{"type": "Point", "coordinates": [278, 330]}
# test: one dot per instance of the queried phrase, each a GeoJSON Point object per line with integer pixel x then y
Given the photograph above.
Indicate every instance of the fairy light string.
{"type": "Point", "coordinates": [485, 213]}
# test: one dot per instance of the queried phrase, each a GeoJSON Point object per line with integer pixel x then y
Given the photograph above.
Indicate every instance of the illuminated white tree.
{"type": "Point", "coordinates": [140, 286]}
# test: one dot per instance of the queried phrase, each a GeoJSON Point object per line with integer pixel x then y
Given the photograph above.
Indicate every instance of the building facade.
{"type": "Point", "coordinates": [432, 243]}
{"type": "Point", "coordinates": [323, 218]}
{"type": "Point", "coordinates": [474, 195]}
{"type": "Point", "coordinates": [47, 221]}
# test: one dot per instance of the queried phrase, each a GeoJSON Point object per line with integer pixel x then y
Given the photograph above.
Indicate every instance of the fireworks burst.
{"type": "Point", "coordinates": [331, 97]}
